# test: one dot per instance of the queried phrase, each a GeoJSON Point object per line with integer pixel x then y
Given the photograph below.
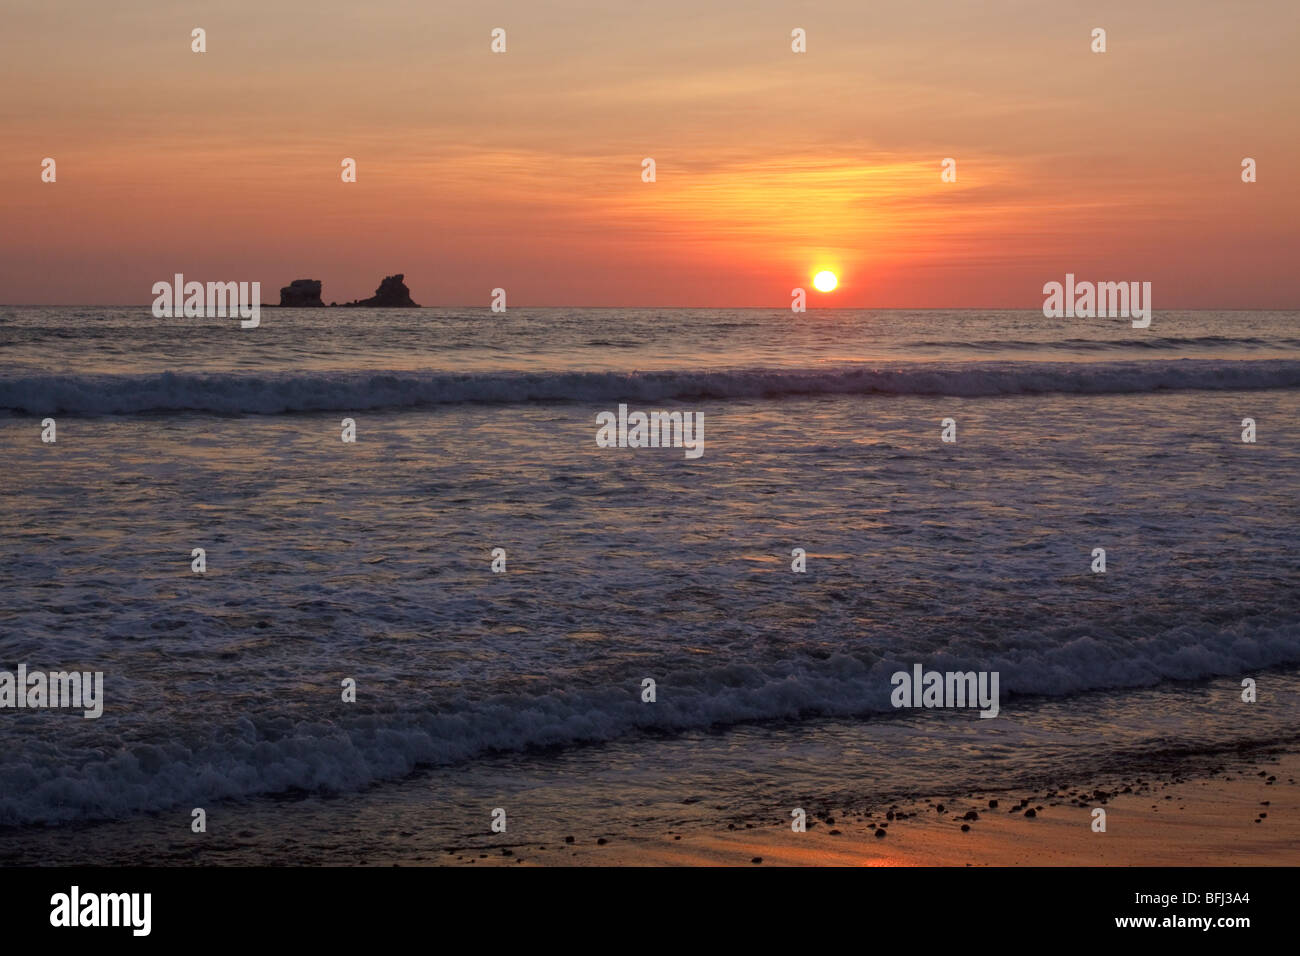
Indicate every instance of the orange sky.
{"type": "Point", "coordinates": [523, 170]}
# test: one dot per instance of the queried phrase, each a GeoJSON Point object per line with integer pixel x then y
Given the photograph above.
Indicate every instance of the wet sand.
{"type": "Point", "coordinates": [1243, 816]}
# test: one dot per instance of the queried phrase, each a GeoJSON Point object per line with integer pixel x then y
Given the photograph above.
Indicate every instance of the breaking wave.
{"type": "Point", "coordinates": [321, 391]}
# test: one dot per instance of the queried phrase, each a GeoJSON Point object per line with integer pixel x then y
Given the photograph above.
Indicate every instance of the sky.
{"type": "Point", "coordinates": [523, 170]}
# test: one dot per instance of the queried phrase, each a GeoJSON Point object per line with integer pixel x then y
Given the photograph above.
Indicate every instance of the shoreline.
{"type": "Point", "coordinates": [1244, 815]}
{"type": "Point", "coordinates": [1244, 810]}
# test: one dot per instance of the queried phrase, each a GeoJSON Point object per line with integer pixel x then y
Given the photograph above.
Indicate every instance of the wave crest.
{"type": "Point", "coordinates": [282, 392]}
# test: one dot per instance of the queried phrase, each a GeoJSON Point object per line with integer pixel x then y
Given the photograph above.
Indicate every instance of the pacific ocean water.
{"type": "Point", "coordinates": [371, 561]}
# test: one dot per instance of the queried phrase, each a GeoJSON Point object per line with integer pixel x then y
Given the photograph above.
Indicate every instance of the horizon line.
{"type": "Point", "coordinates": [687, 308]}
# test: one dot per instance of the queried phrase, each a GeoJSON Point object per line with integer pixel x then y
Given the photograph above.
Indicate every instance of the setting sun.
{"type": "Point", "coordinates": [825, 281]}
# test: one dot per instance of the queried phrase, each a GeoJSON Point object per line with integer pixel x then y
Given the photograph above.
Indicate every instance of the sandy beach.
{"type": "Point", "coordinates": [1248, 815]}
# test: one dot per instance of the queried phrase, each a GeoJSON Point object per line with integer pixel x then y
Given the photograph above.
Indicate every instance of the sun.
{"type": "Point", "coordinates": [825, 281]}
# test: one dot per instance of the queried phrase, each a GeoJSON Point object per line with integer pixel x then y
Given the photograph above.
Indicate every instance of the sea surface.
{"type": "Point", "coordinates": [371, 561]}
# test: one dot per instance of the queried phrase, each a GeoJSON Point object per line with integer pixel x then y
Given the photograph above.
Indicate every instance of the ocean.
{"type": "Point", "coordinates": [371, 561]}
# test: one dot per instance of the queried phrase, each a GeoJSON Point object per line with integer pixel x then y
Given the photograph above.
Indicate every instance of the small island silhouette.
{"type": "Point", "coordinates": [391, 294]}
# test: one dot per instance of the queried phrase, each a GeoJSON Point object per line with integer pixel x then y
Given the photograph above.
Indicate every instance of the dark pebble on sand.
{"type": "Point", "coordinates": [939, 808]}
{"type": "Point", "coordinates": [993, 804]}
{"type": "Point", "coordinates": [879, 834]}
{"type": "Point", "coordinates": [971, 815]}
{"type": "Point", "coordinates": [601, 842]}
{"type": "Point", "coordinates": [757, 859]}
{"type": "Point", "coordinates": [965, 827]}
{"type": "Point", "coordinates": [568, 839]}
{"type": "Point", "coordinates": [1031, 812]}
{"type": "Point", "coordinates": [835, 833]}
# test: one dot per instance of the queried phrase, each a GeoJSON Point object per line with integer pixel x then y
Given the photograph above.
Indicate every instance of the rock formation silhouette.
{"type": "Point", "coordinates": [391, 294]}
{"type": "Point", "coordinates": [301, 293]}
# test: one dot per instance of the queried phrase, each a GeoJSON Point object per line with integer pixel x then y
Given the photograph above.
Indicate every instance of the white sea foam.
{"type": "Point", "coordinates": [267, 755]}
{"type": "Point", "coordinates": [281, 392]}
